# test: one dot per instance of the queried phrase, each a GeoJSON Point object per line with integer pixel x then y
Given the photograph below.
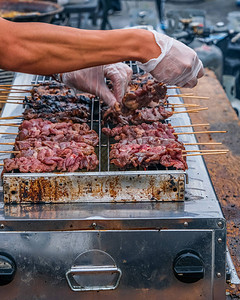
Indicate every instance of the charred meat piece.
{"type": "Point", "coordinates": [52, 88]}
{"type": "Point", "coordinates": [50, 99]}
{"type": "Point", "coordinates": [142, 91]}
{"type": "Point", "coordinates": [57, 108]}
{"type": "Point", "coordinates": [74, 115]}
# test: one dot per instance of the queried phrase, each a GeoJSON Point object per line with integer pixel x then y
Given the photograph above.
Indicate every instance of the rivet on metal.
{"type": "Point", "coordinates": [220, 240]}
{"type": "Point", "coordinates": [220, 224]}
{"type": "Point", "coordinates": [219, 274]}
{"type": "Point", "coordinates": [185, 224]}
{"type": "Point", "coordinates": [2, 226]}
{"type": "Point", "coordinates": [94, 224]}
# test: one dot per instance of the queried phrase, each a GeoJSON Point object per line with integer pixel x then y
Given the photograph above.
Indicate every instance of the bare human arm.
{"type": "Point", "coordinates": [39, 48]}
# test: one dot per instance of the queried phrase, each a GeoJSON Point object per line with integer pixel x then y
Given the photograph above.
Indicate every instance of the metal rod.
{"type": "Point", "coordinates": [99, 136]}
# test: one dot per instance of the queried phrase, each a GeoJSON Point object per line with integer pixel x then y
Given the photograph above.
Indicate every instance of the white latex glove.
{"type": "Point", "coordinates": [92, 80]}
{"type": "Point", "coordinates": [176, 65]}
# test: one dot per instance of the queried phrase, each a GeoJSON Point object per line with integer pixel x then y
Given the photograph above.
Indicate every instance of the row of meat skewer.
{"type": "Point", "coordinates": [55, 137]}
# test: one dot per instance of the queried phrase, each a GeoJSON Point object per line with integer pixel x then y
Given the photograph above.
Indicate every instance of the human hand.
{"type": "Point", "coordinates": [176, 65]}
{"type": "Point", "coordinates": [92, 80]}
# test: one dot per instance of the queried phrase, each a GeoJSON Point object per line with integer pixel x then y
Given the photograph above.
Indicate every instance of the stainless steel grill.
{"type": "Point", "coordinates": [108, 184]}
{"type": "Point", "coordinates": [115, 250]}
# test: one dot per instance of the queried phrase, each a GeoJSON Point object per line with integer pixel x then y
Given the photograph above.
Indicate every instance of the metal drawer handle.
{"type": "Point", "coordinates": [87, 275]}
{"type": "Point", "coordinates": [93, 279]}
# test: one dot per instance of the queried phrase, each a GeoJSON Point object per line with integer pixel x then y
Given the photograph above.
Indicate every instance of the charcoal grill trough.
{"type": "Point", "coordinates": [110, 234]}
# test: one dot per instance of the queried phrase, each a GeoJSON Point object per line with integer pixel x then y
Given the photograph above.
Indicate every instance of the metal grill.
{"type": "Point", "coordinates": [106, 184]}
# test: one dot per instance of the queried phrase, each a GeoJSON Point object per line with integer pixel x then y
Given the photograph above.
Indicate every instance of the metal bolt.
{"type": "Point", "coordinates": [219, 240]}
{"type": "Point", "coordinates": [219, 274]}
{"type": "Point", "coordinates": [185, 224]}
{"type": "Point", "coordinates": [94, 224]}
{"type": "Point", "coordinates": [220, 224]}
{"type": "Point", "coordinates": [2, 226]}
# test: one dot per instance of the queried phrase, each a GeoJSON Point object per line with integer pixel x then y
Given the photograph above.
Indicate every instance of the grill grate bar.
{"type": "Point", "coordinates": [99, 135]}
{"type": "Point", "coordinates": [92, 110]}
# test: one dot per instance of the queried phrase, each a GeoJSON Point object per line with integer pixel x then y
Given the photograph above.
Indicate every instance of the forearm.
{"type": "Point", "coordinates": [47, 49]}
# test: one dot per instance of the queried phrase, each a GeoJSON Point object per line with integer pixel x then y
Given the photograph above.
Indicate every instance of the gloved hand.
{"type": "Point", "coordinates": [92, 80]}
{"type": "Point", "coordinates": [176, 65]}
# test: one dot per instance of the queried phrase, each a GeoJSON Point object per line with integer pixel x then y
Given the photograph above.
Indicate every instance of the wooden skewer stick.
{"type": "Point", "coordinates": [214, 150]}
{"type": "Point", "coordinates": [9, 133]}
{"type": "Point", "coordinates": [193, 125]}
{"type": "Point", "coordinates": [193, 144]}
{"type": "Point", "coordinates": [183, 105]}
{"type": "Point", "coordinates": [10, 98]}
{"type": "Point", "coordinates": [190, 110]}
{"type": "Point", "coordinates": [188, 96]}
{"type": "Point", "coordinates": [10, 151]}
{"type": "Point", "coordinates": [180, 106]}
{"type": "Point", "coordinates": [9, 90]}
{"type": "Point", "coordinates": [206, 153]}
{"type": "Point", "coordinates": [37, 84]}
{"type": "Point", "coordinates": [179, 95]}
{"type": "Point", "coordinates": [196, 132]}
{"type": "Point", "coordinates": [1, 165]}
{"type": "Point", "coordinates": [11, 117]}
{"type": "Point", "coordinates": [7, 143]}
{"type": "Point", "coordinates": [13, 125]}
{"type": "Point", "coordinates": [173, 87]}
{"type": "Point", "coordinates": [13, 92]}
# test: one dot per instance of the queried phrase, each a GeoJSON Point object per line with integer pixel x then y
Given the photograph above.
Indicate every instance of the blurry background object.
{"type": "Point", "coordinates": [26, 11]}
{"type": "Point", "coordinates": [29, 11]}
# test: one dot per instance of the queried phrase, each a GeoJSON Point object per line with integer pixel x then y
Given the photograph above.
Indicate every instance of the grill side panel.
{"type": "Point", "coordinates": [94, 187]}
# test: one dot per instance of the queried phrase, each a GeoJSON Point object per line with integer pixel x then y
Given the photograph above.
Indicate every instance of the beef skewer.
{"type": "Point", "coordinates": [147, 144]}
{"type": "Point", "coordinates": [61, 132]}
{"type": "Point", "coordinates": [52, 156]}
{"type": "Point", "coordinates": [144, 145]}
{"type": "Point", "coordinates": [184, 155]}
{"type": "Point", "coordinates": [78, 139]}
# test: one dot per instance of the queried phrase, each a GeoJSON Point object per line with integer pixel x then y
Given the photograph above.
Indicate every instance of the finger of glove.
{"type": "Point", "coordinates": [119, 78]}
{"type": "Point", "coordinates": [107, 96]}
{"type": "Point", "coordinates": [179, 66]}
{"type": "Point", "coordinates": [121, 83]}
{"type": "Point", "coordinates": [191, 72]}
{"type": "Point", "coordinates": [87, 80]}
